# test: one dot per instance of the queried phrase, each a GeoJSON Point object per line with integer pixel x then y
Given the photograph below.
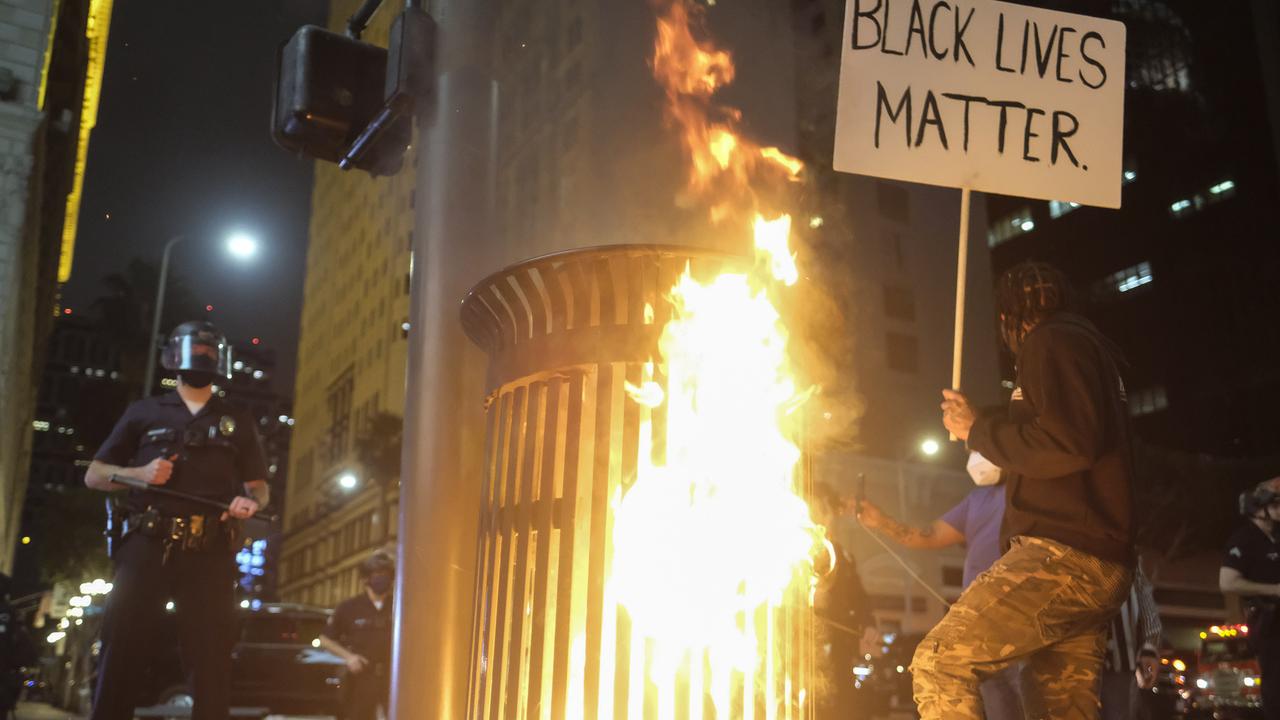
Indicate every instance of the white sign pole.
{"type": "Point", "coordinates": [987, 95]}
{"type": "Point", "coordinates": [962, 265]}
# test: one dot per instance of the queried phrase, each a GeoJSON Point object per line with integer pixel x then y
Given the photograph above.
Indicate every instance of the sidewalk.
{"type": "Point", "coordinates": [41, 711]}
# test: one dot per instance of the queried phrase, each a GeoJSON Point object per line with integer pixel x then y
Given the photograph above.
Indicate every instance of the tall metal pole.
{"type": "Point", "coordinates": [444, 414]}
{"type": "Point", "coordinates": [153, 339]}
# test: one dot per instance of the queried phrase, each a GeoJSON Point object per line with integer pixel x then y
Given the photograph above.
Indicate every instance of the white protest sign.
{"type": "Point", "coordinates": [985, 95]}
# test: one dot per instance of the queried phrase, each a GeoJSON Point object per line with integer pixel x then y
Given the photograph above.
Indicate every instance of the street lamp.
{"type": "Point", "coordinates": [926, 449]}
{"type": "Point", "coordinates": [239, 245]}
{"type": "Point", "coordinates": [242, 246]}
{"type": "Point", "coordinates": [347, 481]}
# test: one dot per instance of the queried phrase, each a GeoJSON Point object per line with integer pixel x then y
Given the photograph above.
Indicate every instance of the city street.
{"type": "Point", "coordinates": [42, 711]}
{"type": "Point", "coordinates": [563, 359]}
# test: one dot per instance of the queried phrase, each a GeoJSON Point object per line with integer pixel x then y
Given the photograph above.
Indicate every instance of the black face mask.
{"type": "Point", "coordinates": [380, 584]}
{"type": "Point", "coordinates": [196, 378]}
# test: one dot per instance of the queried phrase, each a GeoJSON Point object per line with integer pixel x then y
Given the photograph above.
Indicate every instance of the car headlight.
{"type": "Point", "coordinates": [1202, 683]}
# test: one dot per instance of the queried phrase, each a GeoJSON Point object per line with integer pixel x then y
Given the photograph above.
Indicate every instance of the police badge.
{"type": "Point", "coordinates": [227, 426]}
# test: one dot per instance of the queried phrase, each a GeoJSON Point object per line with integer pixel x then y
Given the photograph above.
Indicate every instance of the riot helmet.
{"type": "Point", "coordinates": [198, 352]}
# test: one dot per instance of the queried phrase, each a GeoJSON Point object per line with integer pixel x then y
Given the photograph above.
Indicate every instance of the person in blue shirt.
{"type": "Point", "coordinates": [975, 522]}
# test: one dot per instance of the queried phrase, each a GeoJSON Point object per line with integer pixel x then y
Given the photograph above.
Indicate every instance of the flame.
{"type": "Point", "coordinates": [724, 168]}
{"type": "Point", "coordinates": [771, 241]}
{"type": "Point", "coordinates": [709, 541]}
{"type": "Point", "coordinates": [712, 545]}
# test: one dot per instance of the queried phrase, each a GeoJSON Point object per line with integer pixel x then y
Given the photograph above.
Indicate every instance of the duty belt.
{"type": "Point", "coordinates": [187, 533]}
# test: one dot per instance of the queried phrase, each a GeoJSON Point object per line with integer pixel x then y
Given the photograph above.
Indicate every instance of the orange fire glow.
{"type": "Point", "coordinates": [712, 542]}
{"type": "Point", "coordinates": [724, 167]}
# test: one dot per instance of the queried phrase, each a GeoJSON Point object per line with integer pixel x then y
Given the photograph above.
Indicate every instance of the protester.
{"type": "Point", "coordinates": [975, 522]}
{"type": "Point", "coordinates": [846, 625]}
{"type": "Point", "coordinates": [1132, 658]}
{"type": "Point", "coordinates": [1064, 448]}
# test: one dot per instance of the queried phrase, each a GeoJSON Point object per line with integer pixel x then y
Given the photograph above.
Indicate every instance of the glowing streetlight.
{"type": "Point", "coordinates": [242, 246]}
{"type": "Point", "coordinates": [347, 481]}
{"type": "Point", "coordinates": [930, 447]}
{"type": "Point", "coordinates": [239, 245]}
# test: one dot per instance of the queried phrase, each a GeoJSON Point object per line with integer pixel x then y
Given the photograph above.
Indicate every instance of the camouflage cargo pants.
{"type": "Point", "coordinates": [1042, 602]}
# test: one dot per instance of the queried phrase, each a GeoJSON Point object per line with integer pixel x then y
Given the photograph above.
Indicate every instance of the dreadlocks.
{"type": "Point", "coordinates": [1026, 294]}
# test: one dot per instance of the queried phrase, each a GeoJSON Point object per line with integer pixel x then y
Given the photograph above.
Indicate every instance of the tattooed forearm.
{"type": "Point", "coordinates": [905, 535]}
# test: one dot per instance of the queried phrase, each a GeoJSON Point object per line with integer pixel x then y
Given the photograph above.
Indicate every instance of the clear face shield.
{"type": "Point", "coordinates": [200, 353]}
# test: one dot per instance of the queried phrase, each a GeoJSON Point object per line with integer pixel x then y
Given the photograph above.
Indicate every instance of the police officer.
{"type": "Point", "coordinates": [174, 549]}
{"type": "Point", "coordinates": [359, 631]}
{"type": "Point", "coordinates": [1251, 569]}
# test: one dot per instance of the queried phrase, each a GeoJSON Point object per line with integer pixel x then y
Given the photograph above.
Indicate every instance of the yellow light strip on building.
{"type": "Point", "coordinates": [96, 32]}
{"type": "Point", "coordinates": [48, 53]}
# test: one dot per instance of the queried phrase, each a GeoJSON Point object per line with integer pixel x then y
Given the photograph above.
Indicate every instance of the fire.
{"type": "Point", "coordinates": [724, 167]}
{"type": "Point", "coordinates": [711, 542]}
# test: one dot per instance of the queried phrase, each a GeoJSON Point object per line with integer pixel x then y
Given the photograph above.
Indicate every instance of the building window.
{"type": "Point", "coordinates": [952, 576]}
{"type": "Point", "coordinates": [893, 249]}
{"type": "Point", "coordinates": [305, 469]}
{"type": "Point", "coordinates": [1185, 206]}
{"type": "Point", "coordinates": [339, 402]}
{"type": "Point", "coordinates": [1150, 400]}
{"type": "Point", "coordinates": [1217, 192]}
{"type": "Point", "coordinates": [1222, 190]}
{"type": "Point", "coordinates": [894, 202]}
{"type": "Point", "coordinates": [573, 36]}
{"type": "Point", "coordinates": [899, 303]}
{"type": "Point", "coordinates": [902, 352]}
{"type": "Point", "coordinates": [573, 76]}
{"type": "Point", "coordinates": [1010, 227]}
{"type": "Point", "coordinates": [1123, 281]}
{"type": "Point", "coordinates": [1058, 208]}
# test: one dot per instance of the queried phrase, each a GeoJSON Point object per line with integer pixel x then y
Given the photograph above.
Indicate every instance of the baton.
{"type": "Point", "coordinates": [160, 489]}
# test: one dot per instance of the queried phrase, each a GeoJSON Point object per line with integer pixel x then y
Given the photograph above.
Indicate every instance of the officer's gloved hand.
{"type": "Point", "coordinates": [242, 508]}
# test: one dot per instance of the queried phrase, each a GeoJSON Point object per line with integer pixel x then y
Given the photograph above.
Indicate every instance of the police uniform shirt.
{"type": "Point", "coordinates": [1253, 555]}
{"type": "Point", "coordinates": [218, 448]}
{"type": "Point", "coordinates": [363, 628]}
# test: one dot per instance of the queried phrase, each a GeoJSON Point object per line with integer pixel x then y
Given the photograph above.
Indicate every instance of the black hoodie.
{"type": "Point", "coordinates": [1064, 443]}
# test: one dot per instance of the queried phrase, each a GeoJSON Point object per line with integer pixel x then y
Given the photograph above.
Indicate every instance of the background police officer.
{"type": "Point", "coordinates": [176, 549]}
{"type": "Point", "coordinates": [1251, 569]}
{"type": "Point", "coordinates": [359, 632]}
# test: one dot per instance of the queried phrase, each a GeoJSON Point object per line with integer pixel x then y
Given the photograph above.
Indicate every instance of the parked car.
{"type": "Point", "coordinates": [277, 666]}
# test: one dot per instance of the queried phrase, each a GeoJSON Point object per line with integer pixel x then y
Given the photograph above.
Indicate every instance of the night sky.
{"type": "Point", "coordinates": [183, 146]}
